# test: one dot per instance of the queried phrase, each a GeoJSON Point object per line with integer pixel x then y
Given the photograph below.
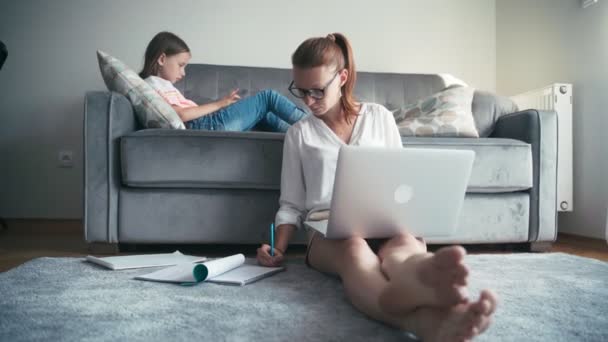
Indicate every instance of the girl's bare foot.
{"type": "Point", "coordinates": [427, 280]}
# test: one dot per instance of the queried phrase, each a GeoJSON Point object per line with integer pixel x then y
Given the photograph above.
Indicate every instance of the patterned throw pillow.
{"type": "Point", "coordinates": [150, 109]}
{"type": "Point", "coordinates": [445, 114]}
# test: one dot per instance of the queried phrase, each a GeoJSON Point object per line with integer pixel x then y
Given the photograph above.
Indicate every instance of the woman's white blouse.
{"type": "Point", "coordinates": [310, 155]}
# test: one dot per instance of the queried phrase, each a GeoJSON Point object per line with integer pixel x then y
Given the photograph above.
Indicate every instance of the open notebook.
{"type": "Point", "coordinates": [232, 270]}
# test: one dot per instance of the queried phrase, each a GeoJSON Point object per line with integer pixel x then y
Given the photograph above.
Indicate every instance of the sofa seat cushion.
{"type": "Point", "coordinates": [157, 158]}
{"type": "Point", "coordinates": [160, 158]}
{"type": "Point", "coordinates": [501, 165]}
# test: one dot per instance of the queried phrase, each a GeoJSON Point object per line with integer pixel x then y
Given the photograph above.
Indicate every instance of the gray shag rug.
{"type": "Point", "coordinates": [543, 297]}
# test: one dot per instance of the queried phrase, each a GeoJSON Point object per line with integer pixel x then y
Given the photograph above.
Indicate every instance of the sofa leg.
{"type": "Point", "coordinates": [540, 247]}
{"type": "Point", "coordinates": [103, 248]}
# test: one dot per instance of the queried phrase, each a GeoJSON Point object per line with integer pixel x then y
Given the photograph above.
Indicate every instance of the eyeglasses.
{"type": "Point", "coordinates": [315, 93]}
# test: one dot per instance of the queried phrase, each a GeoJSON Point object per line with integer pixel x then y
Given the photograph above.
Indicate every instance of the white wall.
{"type": "Point", "coordinates": [52, 64]}
{"type": "Point", "coordinates": [545, 41]}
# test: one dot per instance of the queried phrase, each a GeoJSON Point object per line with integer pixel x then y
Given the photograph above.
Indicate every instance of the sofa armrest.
{"type": "Point", "coordinates": [107, 117]}
{"type": "Point", "coordinates": [539, 129]}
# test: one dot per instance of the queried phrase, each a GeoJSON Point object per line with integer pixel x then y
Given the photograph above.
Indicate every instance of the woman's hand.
{"type": "Point", "coordinates": [230, 98]}
{"type": "Point", "coordinates": [265, 259]}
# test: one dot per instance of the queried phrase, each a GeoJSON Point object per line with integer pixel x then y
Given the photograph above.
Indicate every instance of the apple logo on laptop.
{"type": "Point", "coordinates": [403, 194]}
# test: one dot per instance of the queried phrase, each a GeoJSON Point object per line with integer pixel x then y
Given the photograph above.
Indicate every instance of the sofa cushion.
{"type": "Point", "coordinates": [445, 114]}
{"type": "Point", "coordinates": [202, 159]}
{"type": "Point", "coordinates": [488, 108]}
{"type": "Point", "coordinates": [252, 160]}
{"type": "Point", "coordinates": [501, 165]}
{"type": "Point", "coordinates": [203, 83]}
{"type": "Point", "coordinates": [150, 108]}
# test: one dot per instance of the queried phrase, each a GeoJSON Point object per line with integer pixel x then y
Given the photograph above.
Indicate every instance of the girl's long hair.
{"type": "Point", "coordinates": [163, 42]}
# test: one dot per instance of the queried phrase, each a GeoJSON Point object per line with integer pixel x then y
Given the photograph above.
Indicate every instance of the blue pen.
{"type": "Point", "coordinates": [272, 239]}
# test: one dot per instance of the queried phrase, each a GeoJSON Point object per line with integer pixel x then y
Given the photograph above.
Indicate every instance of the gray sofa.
{"type": "Point", "coordinates": [155, 186]}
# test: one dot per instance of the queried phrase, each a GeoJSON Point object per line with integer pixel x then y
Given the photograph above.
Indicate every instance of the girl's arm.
{"type": "Point", "coordinates": [191, 113]}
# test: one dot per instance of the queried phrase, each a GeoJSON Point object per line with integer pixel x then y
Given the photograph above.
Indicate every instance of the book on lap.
{"type": "Point", "coordinates": [232, 270]}
{"type": "Point", "coordinates": [142, 261]}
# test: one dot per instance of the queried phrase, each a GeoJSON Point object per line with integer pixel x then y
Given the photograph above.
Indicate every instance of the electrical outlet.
{"type": "Point", "coordinates": [65, 159]}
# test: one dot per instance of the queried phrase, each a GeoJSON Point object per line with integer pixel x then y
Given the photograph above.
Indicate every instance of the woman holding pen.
{"type": "Point", "coordinates": [399, 282]}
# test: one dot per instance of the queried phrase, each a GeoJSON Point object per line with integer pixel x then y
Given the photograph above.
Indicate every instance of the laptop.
{"type": "Point", "coordinates": [381, 192]}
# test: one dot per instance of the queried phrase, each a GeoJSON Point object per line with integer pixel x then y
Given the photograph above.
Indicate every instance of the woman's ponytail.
{"type": "Point", "coordinates": [334, 50]}
{"type": "Point", "coordinates": [347, 101]}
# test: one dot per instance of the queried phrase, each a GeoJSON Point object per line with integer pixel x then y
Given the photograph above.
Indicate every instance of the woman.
{"type": "Point", "coordinates": [395, 281]}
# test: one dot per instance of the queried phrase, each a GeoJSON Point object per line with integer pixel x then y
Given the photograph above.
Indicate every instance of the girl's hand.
{"type": "Point", "coordinates": [231, 98]}
{"type": "Point", "coordinates": [265, 259]}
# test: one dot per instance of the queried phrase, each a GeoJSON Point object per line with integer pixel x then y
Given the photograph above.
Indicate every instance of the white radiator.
{"type": "Point", "coordinates": [558, 97]}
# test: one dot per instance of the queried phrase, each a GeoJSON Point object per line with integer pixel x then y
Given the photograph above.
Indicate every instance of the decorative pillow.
{"type": "Point", "coordinates": [445, 114]}
{"type": "Point", "coordinates": [150, 109]}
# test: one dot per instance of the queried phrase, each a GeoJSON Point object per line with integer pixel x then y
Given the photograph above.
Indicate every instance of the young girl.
{"type": "Point", "coordinates": [165, 61]}
{"type": "Point", "coordinates": [399, 282]}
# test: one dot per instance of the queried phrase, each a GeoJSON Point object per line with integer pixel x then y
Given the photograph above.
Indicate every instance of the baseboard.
{"type": "Point", "coordinates": [103, 248]}
{"type": "Point", "coordinates": [63, 226]}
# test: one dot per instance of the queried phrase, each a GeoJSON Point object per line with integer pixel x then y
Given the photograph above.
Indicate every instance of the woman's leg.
{"type": "Point", "coordinates": [358, 267]}
{"type": "Point", "coordinates": [367, 276]}
{"type": "Point", "coordinates": [246, 113]}
{"type": "Point", "coordinates": [363, 275]}
{"type": "Point", "coordinates": [419, 278]}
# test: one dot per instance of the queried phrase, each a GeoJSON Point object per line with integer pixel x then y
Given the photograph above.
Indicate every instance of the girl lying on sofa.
{"type": "Point", "coordinates": [165, 61]}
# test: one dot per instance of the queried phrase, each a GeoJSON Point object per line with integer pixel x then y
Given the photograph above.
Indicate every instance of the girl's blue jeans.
{"type": "Point", "coordinates": [268, 109]}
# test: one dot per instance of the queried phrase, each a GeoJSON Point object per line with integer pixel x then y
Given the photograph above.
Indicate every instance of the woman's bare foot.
{"type": "Point", "coordinates": [427, 279]}
{"type": "Point", "coordinates": [464, 321]}
{"type": "Point", "coordinates": [446, 273]}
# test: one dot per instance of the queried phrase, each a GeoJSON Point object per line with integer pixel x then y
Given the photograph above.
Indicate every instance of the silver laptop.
{"type": "Point", "coordinates": [380, 192]}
